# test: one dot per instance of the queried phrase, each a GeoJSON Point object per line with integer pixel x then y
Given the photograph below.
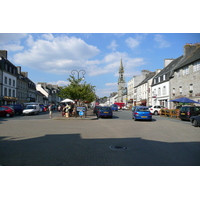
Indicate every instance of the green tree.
{"type": "Point", "coordinates": [78, 91]}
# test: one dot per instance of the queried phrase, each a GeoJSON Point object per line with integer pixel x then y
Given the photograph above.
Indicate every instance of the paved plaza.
{"type": "Point", "coordinates": [120, 141]}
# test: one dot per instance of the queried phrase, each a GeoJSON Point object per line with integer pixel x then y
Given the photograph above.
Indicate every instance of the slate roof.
{"type": "Point", "coordinates": [170, 66]}
{"type": "Point", "coordinates": [149, 76]}
{"type": "Point", "coordinates": [189, 59]}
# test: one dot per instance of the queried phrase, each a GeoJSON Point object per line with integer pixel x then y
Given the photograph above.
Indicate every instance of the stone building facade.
{"type": "Point", "coordinates": [186, 75]}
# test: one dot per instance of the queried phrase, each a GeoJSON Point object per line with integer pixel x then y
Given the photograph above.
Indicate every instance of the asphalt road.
{"type": "Point", "coordinates": [120, 141]}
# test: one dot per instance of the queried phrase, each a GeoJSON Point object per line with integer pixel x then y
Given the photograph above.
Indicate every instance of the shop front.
{"type": "Point", "coordinates": [8, 100]}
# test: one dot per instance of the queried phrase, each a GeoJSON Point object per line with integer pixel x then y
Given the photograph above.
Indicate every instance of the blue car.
{"type": "Point", "coordinates": [142, 113]}
{"type": "Point", "coordinates": [105, 111]}
{"type": "Point", "coordinates": [114, 107]}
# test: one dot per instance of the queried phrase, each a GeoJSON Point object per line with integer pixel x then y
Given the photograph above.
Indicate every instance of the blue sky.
{"type": "Point", "coordinates": [51, 57]}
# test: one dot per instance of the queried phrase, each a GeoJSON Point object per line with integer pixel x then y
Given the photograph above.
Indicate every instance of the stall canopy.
{"type": "Point", "coordinates": [67, 100]}
{"type": "Point", "coordinates": [184, 100]}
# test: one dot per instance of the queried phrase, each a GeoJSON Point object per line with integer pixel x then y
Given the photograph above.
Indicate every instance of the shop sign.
{"type": "Point", "coordinates": [10, 98]}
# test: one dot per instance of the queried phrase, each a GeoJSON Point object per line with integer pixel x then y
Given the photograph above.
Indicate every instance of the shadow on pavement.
{"type": "Point", "coordinates": [72, 150]}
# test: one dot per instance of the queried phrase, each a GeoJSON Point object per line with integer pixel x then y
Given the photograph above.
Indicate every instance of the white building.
{"type": "Point", "coordinates": [161, 86]}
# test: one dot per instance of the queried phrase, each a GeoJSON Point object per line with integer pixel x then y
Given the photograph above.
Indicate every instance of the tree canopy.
{"type": "Point", "coordinates": [77, 90]}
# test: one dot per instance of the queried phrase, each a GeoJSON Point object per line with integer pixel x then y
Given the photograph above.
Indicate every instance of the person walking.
{"type": "Point", "coordinates": [50, 111]}
{"type": "Point", "coordinates": [66, 110]}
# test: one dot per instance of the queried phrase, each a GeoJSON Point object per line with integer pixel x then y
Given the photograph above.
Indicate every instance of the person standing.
{"type": "Point", "coordinates": [50, 111]}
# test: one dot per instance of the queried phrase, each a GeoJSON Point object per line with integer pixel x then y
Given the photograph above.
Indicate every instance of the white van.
{"type": "Point", "coordinates": [31, 109]}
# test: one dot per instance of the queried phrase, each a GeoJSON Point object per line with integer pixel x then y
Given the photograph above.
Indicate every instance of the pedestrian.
{"type": "Point", "coordinates": [50, 110]}
{"type": "Point", "coordinates": [71, 109]}
{"type": "Point", "coordinates": [59, 108]}
{"type": "Point", "coordinates": [66, 110]}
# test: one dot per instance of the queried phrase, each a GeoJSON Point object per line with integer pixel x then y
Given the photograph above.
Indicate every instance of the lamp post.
{"type": "Point", "coordinates": [78, 72]}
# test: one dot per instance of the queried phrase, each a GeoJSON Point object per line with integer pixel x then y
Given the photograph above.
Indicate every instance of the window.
{"type": "Point", "coordinates": [191, 87]}
{"type": "Point", "coordinates": [9, 81]}
{"type": "Point", "coordinates": [9, 92]}
{"type": "Point", "coordinates": [13, 83]}
{"type": "Point", "coordinates": [5, 80]}
{"type": "Point", "coordinates": [164, 90]}
{"type": "Point", "coordinates": [185, 71]}
{"type": "Point", "coordinates": [13, 93]}
{"type": "Point", "coordinates": [180, 90]}
{"type": "Point", "coordinates": [164, 77]}
{"type": "Point", "coordinates": [196, 66]}
{"type": "Point", "coordinates": [159, 91]}
{"type": "Point", "coordinates": [178, 73]}
{"type": "Point", "coordinates": [5, 91]}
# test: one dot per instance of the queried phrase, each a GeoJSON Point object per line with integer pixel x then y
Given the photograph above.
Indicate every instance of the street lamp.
{"type": "Point", "coordinates": [78, 72]}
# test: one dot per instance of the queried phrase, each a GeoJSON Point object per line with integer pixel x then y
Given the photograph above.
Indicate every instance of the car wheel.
{"type": "Point", "coordinates": [194, 123]}
{"type": "Point", "coordinates": [7, 115]}
{"type": "Point", "coordinates": [135, 119]}
{"type": "Point", "coordinates": [156, 113]}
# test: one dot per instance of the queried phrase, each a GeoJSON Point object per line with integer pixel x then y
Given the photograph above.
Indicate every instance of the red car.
{"type": "Point", "coordinates": [6, 111]}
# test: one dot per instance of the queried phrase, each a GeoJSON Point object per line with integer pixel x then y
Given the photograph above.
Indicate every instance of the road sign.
{"type": "Point", "coordinates": [81, 113]}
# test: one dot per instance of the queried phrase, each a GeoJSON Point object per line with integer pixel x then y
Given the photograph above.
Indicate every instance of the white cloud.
{"type": "Point", "coordinates": [48, 36]}
{"type": "Point", "coordinates": [113, 46]}
{"type": "Point", "coordinates": [111, 84]}
{"type": "Point", "coordinates": [59, 55]}
{"type": "Point", "coordinates": [132, 43]}
{"type": "Point", "coordinates": [59, 83]}
{"type": "Point", "coordinates": [11, 37]}
{"type": "Point", "coordinates": [30, 41]}
{"type": "Point", "coordinates": [12, 47]}
{"type": "Point", "coordinates": [161, 42]}
{"type": "Point", "coordinates": [11, 41]}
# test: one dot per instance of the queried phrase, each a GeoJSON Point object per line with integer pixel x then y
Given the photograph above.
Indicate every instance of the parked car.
{"type": "Point", "coordinates": [195, 120]}
{"type": "Point", "coordinates": [18, 108]}
{"type": "Point", "coordinates": [133, 108]}
{"type": "Point", "coordinates": [31, 109]}
{"type": "Point", "coordinates": [125, 108]}
{"type": "Point", "coordinates": [155, 109]}
{"type": "Point", "coordinates": [96, 108]}
{"type": "Point", "coordinates": [105, 111]}
{"type": "Point", "coordinates": [188, 111]}
{"type": "Point", "coordinates": [141, 113]}
{"type": "Point", "coordinates": [6, 111]}
{"type": "Point", "coordinates": [114, 107]}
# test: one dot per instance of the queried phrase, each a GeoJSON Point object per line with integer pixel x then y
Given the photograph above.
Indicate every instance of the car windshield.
{"type": "Point", "coordinates": [30, 107]}
{"type": "Point", "coordinates": [143, 109]}
{"type": "Point", "coordinates": [197, 109]}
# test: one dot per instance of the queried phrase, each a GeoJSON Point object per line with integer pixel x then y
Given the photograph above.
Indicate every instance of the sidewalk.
{"type": "Point", "coordinates": [89, 116]}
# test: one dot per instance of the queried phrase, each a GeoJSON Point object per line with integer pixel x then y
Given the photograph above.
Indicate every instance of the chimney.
{"type": "Point", "coordinates": [18, 69]}
{"type": "Point", "coordinates": [167, 62]}
{"type": "Point", "coordinates": [4, 53]}
{"type": "Point", "coordinates": [190, 48]}
{"type": "Point", "coordinates": [25, 74]}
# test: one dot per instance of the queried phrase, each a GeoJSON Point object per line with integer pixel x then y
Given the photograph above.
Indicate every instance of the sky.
{"type": "Point", "coordinates": [51, 57]}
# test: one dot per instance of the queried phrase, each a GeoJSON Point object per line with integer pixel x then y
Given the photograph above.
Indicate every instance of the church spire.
{"type": "Point", "coordinates": [121, 68]}
{"type": "Point", "coordinates": [121, 73]}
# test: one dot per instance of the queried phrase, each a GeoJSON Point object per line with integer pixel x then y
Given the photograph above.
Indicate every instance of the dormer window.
{"type": "Point", "coordinates": [164, 77]}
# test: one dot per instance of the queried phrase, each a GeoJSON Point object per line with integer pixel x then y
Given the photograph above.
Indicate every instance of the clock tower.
{"type": "Point", "coordinates": [121, 82]}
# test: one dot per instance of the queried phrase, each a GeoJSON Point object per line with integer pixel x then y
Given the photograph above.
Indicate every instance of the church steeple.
{"type": "Point", "coordinates": [121, 82]}
{"type": "Point", "coordinates": [121, 73]}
